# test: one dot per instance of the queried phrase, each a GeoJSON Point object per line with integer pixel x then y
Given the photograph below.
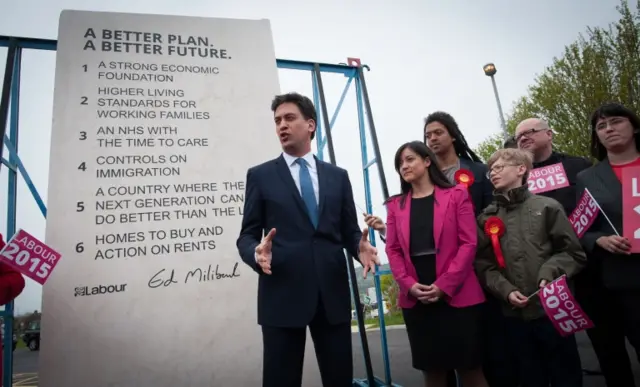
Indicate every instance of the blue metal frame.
{"type": "Point", "coordinates": [14, 165]}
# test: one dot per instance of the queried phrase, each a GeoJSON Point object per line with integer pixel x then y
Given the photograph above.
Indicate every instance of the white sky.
{"type": "Point", "coordinates": [424, 55]}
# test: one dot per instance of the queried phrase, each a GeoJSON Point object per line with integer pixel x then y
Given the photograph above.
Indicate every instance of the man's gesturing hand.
{"type": "Point", "coordinates": [263, 252]}
{"type": "Point", "coordinates": [368, 254]}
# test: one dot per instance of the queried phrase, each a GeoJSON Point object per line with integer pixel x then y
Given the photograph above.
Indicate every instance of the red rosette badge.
{"type": "Point", "coordinates": [494, 228]}
{"type": "Point", "coordinates": [464, 177]}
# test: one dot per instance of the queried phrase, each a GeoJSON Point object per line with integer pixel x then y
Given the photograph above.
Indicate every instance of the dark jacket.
{"type": "Point", "coordinates": [572, 166]}
{"type": "Point", "coordinates": [614, 271]}
{"type": "Point", "coordinates": [481, 190]}
{"type": "Point", "coordinates": [308, 263]}
{"type": "Point", "coordinates": [539, 243]}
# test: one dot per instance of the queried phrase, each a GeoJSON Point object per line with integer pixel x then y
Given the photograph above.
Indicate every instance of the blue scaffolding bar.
{"type": "Point", "coordinates": [354, 75]}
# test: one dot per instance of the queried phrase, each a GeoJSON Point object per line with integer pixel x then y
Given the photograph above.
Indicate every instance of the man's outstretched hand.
{"type": "Point", "coordinates": [368, 254]}
{"type": "Point", "coordinates": [263, 252]}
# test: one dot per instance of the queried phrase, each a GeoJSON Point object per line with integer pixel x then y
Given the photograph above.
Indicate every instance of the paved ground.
{"type": "Point", "coordinates": [26, 362]}
{"type": "Point", "coordinates": [25, 380]}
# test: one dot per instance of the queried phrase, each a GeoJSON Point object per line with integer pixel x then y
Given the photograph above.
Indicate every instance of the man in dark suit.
{"type": "Point", "coordinates": [306, 207]}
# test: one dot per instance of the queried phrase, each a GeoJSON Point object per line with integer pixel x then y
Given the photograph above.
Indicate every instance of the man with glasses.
{"type": "Point", "coordinates": [535, 135]}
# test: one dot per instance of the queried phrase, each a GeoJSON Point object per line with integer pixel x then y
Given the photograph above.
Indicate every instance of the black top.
{"type": "Point", "coordinates": [481, 191]}
{"type": "Point", "coordinates": [421, 226]}
{"type": "Point", "coordinates": [572, 166]}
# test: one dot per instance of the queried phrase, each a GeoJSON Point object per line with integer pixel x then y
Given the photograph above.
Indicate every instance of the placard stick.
{"type": "Point", "coordinates": [602, 212]}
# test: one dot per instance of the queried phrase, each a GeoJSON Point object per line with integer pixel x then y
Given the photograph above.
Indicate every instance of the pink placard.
{"type": "Point", "coordinates": [547, 178]}
{"type": "Point", "coordinates": [631, 206]}
{"type": "Point", "coordinates": [562, 309]}
{"type": "Point", "coordinates": [584, 214]}
{"type": "Point", "coordinates": [29, 256]}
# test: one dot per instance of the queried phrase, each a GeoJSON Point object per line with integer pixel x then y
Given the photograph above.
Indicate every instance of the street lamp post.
{"type": "Point", "coordinates": [490, 71]}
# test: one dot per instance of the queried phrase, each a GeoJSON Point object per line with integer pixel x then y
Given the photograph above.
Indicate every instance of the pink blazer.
{"type": "Point", "coordinates": [455, 235]}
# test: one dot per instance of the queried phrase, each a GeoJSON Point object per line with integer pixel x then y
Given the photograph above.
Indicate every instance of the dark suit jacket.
{"type": "Point", "coordinates": [481, 190]}
{"type": "Point", "coordinates": [617, 271]}
{"type": "Point", "coordinates": [306, 262]}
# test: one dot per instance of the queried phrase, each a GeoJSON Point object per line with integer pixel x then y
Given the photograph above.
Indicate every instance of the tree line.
{"type": "Point", "coordinates": [602, 65]}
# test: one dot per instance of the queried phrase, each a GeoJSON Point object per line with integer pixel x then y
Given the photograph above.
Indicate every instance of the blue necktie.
{"type": "Point", "coordinates": [306, 190]}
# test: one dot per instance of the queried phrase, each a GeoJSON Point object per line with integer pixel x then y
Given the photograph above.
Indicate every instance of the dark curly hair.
{"type": "Point", "coordinates": [459, 144]}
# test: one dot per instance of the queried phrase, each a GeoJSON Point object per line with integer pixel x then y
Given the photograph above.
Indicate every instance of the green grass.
{"type": "Point", "coordinates": [21, 344]}
{"type": "Point", "coordinates": [389, 319]}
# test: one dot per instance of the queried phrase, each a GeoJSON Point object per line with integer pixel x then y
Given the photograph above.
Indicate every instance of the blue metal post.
{"type": "Point", "coordinates": [337, 111]}
{"type": "Point", "coordinates": [316, 102]}
{"type": "Point", "coordinates": [18, 166]}
{"type": "Point", "coordinates": [7, 366]}
{"type": "Point", "coordinates": [367, 193]}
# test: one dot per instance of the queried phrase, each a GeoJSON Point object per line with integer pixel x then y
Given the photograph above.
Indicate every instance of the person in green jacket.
{"type": "Point", "coordinates": [537, 244]}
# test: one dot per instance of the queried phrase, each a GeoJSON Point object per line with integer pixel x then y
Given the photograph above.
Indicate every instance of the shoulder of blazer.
{"type": "Point", "coordinates": [267, 164]}
{"type": "Point", "coordinates": [457, 191]}
{"type": "Point", "coordinates": [393, 202]}
{"type": "Point", "coordinates": [566, 157]}
{"type": "Point", "coordinates": [265, 169]}
{"type": "Point", "coordinates": [479, 170]}
{"type": "Point", "coordinates": [586, 174]}
{"type": "Point", "coordinates": [330, 167]}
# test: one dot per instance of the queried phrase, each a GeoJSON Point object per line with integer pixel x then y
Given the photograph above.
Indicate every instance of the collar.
{"type": "Point", "coordinates": [554, 158]}
{"type": "Point", "coordinates": [309, 158]}
{"type": "Point", "coordinates": [513, 197]}
{"type": "Point", "coordinates": [454, 166]}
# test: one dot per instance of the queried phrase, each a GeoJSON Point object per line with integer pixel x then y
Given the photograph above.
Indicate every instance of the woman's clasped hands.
{"type": "Point", "coordinates": [426, 293]}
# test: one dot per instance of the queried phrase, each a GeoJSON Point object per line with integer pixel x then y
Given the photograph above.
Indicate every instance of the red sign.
{"type": "Point", "coordinates": [631, 207]}
{"type": "Point", "coordinates": [30, 257]}
{"type": "Point", "coordinates": [547, 178]}
{"type": "Point", "coordinates": [584, 214]}
{"type": "Point", "coordinates": [562, 309]}
{"type": "Point", "coordinates": [354, 62]}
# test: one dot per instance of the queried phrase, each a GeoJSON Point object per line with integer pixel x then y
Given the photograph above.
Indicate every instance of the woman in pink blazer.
{"type": "Point", "coordinates": [431, 245]}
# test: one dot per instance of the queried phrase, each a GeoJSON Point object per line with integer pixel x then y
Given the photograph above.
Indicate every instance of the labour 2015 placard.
{"type": "Point", "coordinates": [547, 178]}
{"type": "Point", "coordinates": [30, 256]}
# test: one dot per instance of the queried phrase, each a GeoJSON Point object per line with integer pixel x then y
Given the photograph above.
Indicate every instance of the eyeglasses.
{"type": "Point", "coordinates": [528, 133]}
{"type": "Point", "coordinates": [610, 122]}
{"type": "Point", "coordinates": [498, 169]}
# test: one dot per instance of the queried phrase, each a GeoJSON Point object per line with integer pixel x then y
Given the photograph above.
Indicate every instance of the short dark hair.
{"type": "Point", "coordinates": [303, 103]}
{"type": "Point", "coordinates": [460, 144]}
{"type": "Point", "coordinates": [611, 109]}
{"type": "Point", "coordinates": [510, 143]}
